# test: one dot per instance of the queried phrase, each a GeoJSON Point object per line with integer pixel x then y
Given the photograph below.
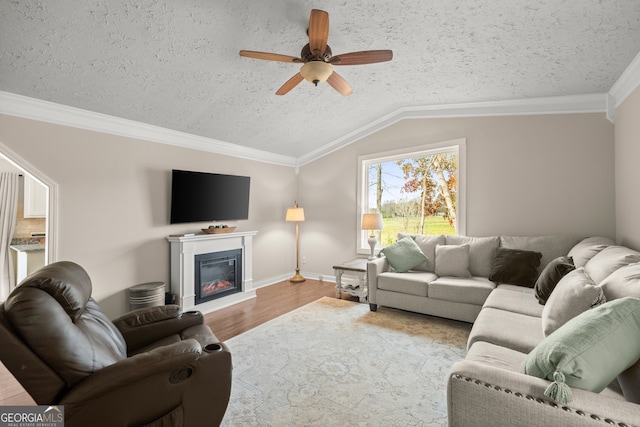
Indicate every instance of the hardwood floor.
{"type": "Point", "coordinates": [271, 301]}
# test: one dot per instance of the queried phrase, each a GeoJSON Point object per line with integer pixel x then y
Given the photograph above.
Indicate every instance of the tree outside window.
{"type": "Point", "coordinates": [416, 192]}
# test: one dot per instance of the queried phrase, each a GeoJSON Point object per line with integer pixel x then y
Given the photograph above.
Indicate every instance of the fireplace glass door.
{"type": "Point", "coordinates": [218, 274]}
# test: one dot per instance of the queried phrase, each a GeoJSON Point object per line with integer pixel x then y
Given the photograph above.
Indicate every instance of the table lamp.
{"type": "Point", "coordinates": [372, 221]}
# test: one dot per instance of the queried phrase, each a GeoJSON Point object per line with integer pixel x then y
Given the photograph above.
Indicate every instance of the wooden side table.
{"type": "Point", "coordinates": [358, 287]}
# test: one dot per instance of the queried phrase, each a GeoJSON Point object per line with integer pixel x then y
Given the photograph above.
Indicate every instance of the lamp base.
{"type": "Point", "coordinates": [372, 243]}
{"type": "Point", "coordinates": [297, 278]}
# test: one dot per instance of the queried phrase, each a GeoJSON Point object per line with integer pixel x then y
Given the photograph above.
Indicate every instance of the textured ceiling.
{"type": "Point", "coordinates": [175, 64]}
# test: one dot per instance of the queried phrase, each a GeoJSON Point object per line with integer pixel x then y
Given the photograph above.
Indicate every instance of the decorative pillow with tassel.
{"type": "Point", "coordinates": [589, 351]}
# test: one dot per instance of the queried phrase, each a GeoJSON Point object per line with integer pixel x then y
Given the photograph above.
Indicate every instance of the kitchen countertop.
{"type": "Point", "coordinates": [28, 248]}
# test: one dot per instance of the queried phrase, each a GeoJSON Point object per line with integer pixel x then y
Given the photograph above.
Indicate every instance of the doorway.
{"type": "Point", "coordinates": [39, 204]}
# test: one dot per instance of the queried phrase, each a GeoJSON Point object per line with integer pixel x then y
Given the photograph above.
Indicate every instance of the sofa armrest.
{"type": "Point", "coordinates": [481, 395]}
{"type": "Point", "coordinates": [147, 325]}
{"type": "Point", "coordinates": [374, 268]}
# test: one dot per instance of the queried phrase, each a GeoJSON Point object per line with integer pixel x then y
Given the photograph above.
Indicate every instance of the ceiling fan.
{"type": "Point", "coordinates": [317, 58]}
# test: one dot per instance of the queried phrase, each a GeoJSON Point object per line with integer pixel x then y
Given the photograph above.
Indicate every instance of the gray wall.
{"type": "Point", "coordinates": [114, 203]}
{"type": "Point", "coordinates": [628, 171]}
{"type": "Point", "coordinates": [526, 175]}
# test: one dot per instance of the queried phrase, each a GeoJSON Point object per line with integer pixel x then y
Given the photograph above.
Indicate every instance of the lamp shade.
{"type": "Point", "coordinates": [316, 71]}
{"type": "Point", "coordinates": [372, 221]}
{"type": "Point", "coordinates": [295, 213]}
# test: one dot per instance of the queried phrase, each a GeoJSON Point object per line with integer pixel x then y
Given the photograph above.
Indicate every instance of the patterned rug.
{"type": "Point", "coordinates": [335, 363]}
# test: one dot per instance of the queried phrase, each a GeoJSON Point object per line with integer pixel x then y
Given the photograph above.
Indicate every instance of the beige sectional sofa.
{"type": "Point", "coordinates": [458, 297]}
{"type": "Point", "coordinates": [489, 387]}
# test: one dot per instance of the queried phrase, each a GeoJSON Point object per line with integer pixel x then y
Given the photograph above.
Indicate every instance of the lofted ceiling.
{"type": "Point", "coordinates": [175, 64]}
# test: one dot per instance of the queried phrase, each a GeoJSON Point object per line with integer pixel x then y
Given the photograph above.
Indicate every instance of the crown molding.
{"type": "Point", "coordinates": [589, 103]}
{"type": "Point", "coordinates": [50, 112]}
{"type": "Point", "coordinates": [45, 111]}
{"type": "Point", "coordinates": [628, 82]}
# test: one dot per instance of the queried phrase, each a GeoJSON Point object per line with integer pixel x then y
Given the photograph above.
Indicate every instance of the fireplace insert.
{"type": "Point", "coordinates": [218, 274]}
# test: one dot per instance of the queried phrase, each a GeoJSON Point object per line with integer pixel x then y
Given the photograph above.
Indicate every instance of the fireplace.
{"type": "Point", "coordinates": [184, 268]}
{"type": "Point", "coordinates": [217, 274]}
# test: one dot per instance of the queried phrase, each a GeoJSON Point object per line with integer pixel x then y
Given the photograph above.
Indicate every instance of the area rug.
{"type": "Point", "coordinates": [335, 363]}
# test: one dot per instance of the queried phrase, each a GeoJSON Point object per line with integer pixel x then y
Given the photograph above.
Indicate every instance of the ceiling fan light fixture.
{"type": "Point", "coordinates": [316, 71]}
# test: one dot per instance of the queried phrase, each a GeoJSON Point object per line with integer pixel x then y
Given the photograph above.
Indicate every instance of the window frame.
{"type": "Point", "coordinates": [459, 145]}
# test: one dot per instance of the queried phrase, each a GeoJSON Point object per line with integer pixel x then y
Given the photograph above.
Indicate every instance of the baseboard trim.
{"type": "Point", "coordinates": [284, 277]}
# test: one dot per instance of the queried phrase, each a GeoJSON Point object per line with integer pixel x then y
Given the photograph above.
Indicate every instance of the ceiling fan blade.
{"type": "Point", "coordinates": [339, 84]}
{"type": "Point", "coordinates": [318, 31]}
{"type": "Point", "coordinates": [269, 56]}
{"type": "Point", "coordinates": [360, 58]}
{"type": "Point", "coordinates": [290, 84]}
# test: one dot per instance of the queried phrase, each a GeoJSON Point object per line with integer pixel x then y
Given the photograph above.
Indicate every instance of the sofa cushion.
{"type": "Point", "coordinates": [471, 290]}
{"type": "Point", "coordinates": [624, 282]}
{"type": "Point", "coordinates": [515, 266]}
{"type": "Point", "coordinates": [403, 255]}
{"type": "Point", "coordinates": [428, 246]}
{"type": "Point", "coordinates": [609, 260]}
{"type": "Point", "coordinates": [550, 246]}
{"type": "Point", "coordinates": [482, 250]}
{"type": "Point", "coordinates": [515, 288]}
{"type": "Point", "coordinates": [587, 248]}
{"type": "Point", "coordinates": [550, 276]}
{"type": "Point", "coordinates": [496, 356]}
{"type": "Point", "coordinates": [508, 329]}
{"type": "Point", "coordinates": [574, 294]}
{"type": "Point", "coordinates": [507, 299]}
{"type": "Point", "coordinates": [415, 283]}
{"type": "Point", "coordinates": [452, 260]}
{"type": "Point", "coordinates": [591, 349]}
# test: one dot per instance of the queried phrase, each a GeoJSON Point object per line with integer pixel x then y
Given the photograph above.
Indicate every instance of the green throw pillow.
{"type": "Point", "coordinates": [404, 255]}
{"type": "Point", "coordinates": [590, 350]}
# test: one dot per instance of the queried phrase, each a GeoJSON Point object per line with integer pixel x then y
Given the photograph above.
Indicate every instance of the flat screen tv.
{"type": "Point", "coordinates": [202, 196]}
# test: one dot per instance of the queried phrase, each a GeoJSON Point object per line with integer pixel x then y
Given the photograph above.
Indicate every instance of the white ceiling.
{"type": "Point", "coordinates": [175, 64]}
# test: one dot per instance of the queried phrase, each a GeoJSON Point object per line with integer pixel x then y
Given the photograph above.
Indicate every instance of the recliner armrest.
{"type": "Point", "coordinates": [147, 325]}
{"type": "Point", "coordinates": [134, 369]}
{"type": "Point", "coordinates": [143, 389]}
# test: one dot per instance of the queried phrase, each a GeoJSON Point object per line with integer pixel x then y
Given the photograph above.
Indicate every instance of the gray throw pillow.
{"type": "Point", "coordinates": [452, 260]}
{"type": "Point", "coordinates": [482, 250]}
{"type": "Point", "coordinates": [574, 294]}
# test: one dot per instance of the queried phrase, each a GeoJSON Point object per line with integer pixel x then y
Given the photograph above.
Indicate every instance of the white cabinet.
{"type": "Point", "coordinates": [35, 198]}
{"type": "Point", "coordinates": [27, 260]}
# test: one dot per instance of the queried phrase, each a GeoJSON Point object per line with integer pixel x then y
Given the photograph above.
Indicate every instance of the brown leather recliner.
{"type": "Point", "coordinates": [154, 366]}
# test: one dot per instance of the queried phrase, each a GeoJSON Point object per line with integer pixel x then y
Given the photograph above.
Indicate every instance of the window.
{"type": "Point", "coordinates": [417, 191]}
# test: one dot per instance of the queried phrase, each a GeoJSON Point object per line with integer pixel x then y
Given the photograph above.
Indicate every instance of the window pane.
{"type": "Point", "coordinates": [415, 193]}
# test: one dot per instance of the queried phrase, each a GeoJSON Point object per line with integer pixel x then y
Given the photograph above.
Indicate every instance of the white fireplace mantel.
{"type": "Point", "coordinates": [183, 252]}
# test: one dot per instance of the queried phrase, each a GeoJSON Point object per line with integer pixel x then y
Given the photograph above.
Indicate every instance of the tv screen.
{"type": "Point", "coordinates": [202, 196]}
